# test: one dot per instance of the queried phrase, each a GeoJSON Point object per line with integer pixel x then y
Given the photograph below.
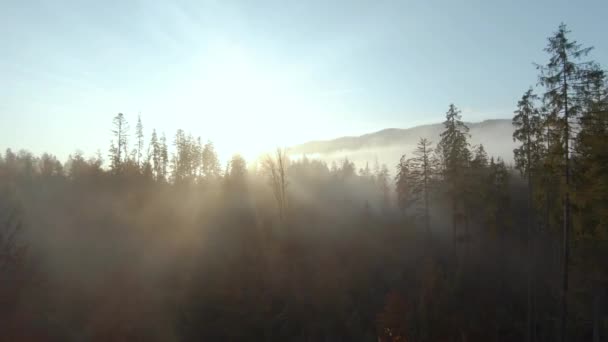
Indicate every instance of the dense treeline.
{"type": "Point", "coordinates": [158, 241]}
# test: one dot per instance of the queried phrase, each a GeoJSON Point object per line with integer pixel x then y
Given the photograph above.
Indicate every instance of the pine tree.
{"type": "Point", "coordinates": [590, 181]}
{"type": "Point", "coordinates": [497, 199]}
{"type": "Point", "coordinates": [454, 154]}
{"type": "Point", "coordinates": [164, 158]}
{"type": "Point", "coordinates": [365, 172]}
{"type": "Point", "coordinates": [347, 169]}
{"type": "Point", "coordinates": [474, 176]}
{"type": "Point", "coordinates": [177, 172]}
{"type": "Point", "coordinates": [549, 181]}
{"type": "Point", "coordinates": [528, 124]}
{"type": "Point", "coordinates": [591, 157]}
{"type": "Point", "coordinates": [156, 155]}
{"type": "Point", "coordinates": [49, 166]}
{"type": "Point", "coordinates": [186, 158]}
{"type": "Point", "coordinates": [236, 172]}
{"type": "Point", "coordinates": [528, 131]}
{"type": "Point", "coordinates": [403, 187]}
{"type": "Point", "coordinates": [198, 159]}
{"type": "Point", "coordinates": [139, 135]}
{"type": "Point", "coordinates": [480, 158]}
{"type": "Point", "coordinates": [383, 181]}
{"type": "Point", "coordinates": [562, 77]}
{"type": "Point", "coordinates": [147, 169]}
{"type": "Point", "coordinates": [422, 171]}
{"type": "Point", "coordinates": [118, 148]}
{"type": "Point", "coordinates": [210, 163]}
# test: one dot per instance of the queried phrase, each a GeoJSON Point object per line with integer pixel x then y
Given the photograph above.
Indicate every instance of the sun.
{"type": "Point", "coordinates": [249, 103]}
{"type": "Point", "coordinates": [244, 100]}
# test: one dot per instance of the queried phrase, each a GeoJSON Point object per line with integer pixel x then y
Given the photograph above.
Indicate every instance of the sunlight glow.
{"type": "Point", "coordinates": [241, 98]}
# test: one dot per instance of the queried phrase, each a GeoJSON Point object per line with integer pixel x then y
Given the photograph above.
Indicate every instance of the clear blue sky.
{"type": "Point", "coordinates": [253, 74]}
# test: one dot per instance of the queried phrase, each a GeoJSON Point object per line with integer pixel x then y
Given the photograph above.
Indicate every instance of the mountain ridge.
{"type": "Point", "coordinates": [495, 134]}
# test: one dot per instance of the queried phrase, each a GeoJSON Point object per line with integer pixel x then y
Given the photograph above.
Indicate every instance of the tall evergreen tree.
{"type": "Point", "coordinates": [480, 157]}
{"type": "Point", "coordinates": [562, 77]}
{"type": "Point", "coordinates": [422, 171]}
{"type": "Point", "coordinates": [164, 158]}
{"type": "Point", "coordinates": [590, 179]}
{"type": "Point", "coordinates": [528, 131]}
{"type": "Point", "coordinates": [210, 162]}
{"type": "Point", "coordinates": [403, 187]}
{"type": "Point", "coordinates": [365, 172]}
{"type": "Point", "coordinates": [139, 135]}
{"type": "Point", "coordinates": [498, 199]}
{"type": "Point", "coordinates": [155, 155]}
{"type": "Point", "coordinates": [118, 148]}
{"type": "Point", "coordinates": [383, 181]}
{"type": "Point", "coordinates": [236, 172]}
{"type": "Point", "coordinates": [186, 158]}
{"type": "Point", "coordinates": [476, 190]}
{"type": "Point", "coordinates": [591, 158]}
{"type": "Point", "coordinates": [453, 149]}
{"type": "Point", "coordinates": [198, 159]}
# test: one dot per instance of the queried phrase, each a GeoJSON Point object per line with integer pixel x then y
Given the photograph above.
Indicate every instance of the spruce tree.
{"type": "Point", "coordinates": [139, 135]}
{"type": "Point", "coordinates": [118, 149]}
{"type": "Point", "coordinates": [591, 157]}
{"type": "Point", "coordinates": [210, 162]}
{"type": "Point", "coordinates": [453, 149]}
{"type": "Point", "coordinates": [421, 175]}
{"type": "Point", "coordinates": [164, 158]}
{"type": "Point", "coordinates": [402, 184]}
{"type": "Point", "coordinates": [156, 155]}
{"type": "Point", "coordinates": [563, 80]}
{"type": "Point", "coordinates": [528, 131]}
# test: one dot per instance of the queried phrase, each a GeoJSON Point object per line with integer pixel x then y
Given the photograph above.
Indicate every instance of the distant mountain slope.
{"type": "Point", "coordinates": [389, 144]}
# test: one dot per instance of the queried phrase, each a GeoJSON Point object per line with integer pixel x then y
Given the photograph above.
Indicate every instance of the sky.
{"type": "Point", "coordinates": [252, 75]}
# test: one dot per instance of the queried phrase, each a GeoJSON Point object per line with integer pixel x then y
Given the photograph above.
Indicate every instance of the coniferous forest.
{"type": "Point", "coordinates": [157, 240]}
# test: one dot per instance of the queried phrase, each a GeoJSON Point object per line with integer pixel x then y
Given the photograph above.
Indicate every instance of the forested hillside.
{"type": "Point", "coordinates": [158, 241]}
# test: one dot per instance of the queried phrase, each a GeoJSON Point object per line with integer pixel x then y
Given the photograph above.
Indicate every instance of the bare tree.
{"type": "Point", "coordinates": [275, 167]}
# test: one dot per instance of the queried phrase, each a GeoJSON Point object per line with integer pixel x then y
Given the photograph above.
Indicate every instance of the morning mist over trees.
{"type": "Point", "coordinates": [316, 173]}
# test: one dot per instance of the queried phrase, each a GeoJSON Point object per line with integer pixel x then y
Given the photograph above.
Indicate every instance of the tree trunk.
{"type": "Point", "coordinates": [564, 299]}
{"type": "Point", "coordinates": [528, 246]}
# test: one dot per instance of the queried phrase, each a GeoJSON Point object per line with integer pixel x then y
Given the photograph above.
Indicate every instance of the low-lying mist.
{"type": "Point", "coordinates": [124, 257]}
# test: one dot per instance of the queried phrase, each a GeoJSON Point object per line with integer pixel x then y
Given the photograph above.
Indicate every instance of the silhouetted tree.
{"type": "Point", "coordinates": [50, 166]}
{"type": "Point", "coordinates": [164, 158]}
{"type": "Point", "coordinates": [403, 186]}
{"type": "Point", "coordinates": [237, 172]}
{"type": "Point", "coordinates": [365, 172]}
{"type": "Point", "coordinates": [118, 148]}
{"type": "Point", "coordinates": [139, 135]}
{"type": "Point", "coordinates": [276, 168]}
{"type": "Point", "coordinates": [210, 163]}
{"type": "Point", "coordinates": [156, 156]}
